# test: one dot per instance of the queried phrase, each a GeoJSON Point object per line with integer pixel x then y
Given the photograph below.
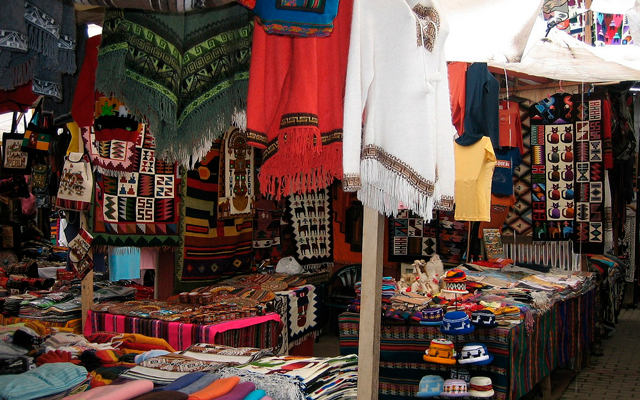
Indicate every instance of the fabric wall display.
{"type": "Point", "coordinates": [295, 107]}
{"type": "Point", "coordinates": [153, 62]}
{"type": "Point", "coordinates": [310, 216]}
{"type": "Point", "coordinates": [411, 237]}
{"type": "Point", "coordinates": [553, 169]}
{"type": "Point", "coordinates": [570, 14]}
{"type": "Point", "coordinates": [589, 195]}
{"type": "Point", "coordinates": [472, 188]}
{"type": "Point", "coordinates": [519, 219]}
{"type": "Point", "coordinates": [302, 316]}
{"type": "Point", "coordinates": [611, 29]}
{"type": "Point", "coordinates": [37, 44]}
{"type": "Point", "coordinates": [236, 192]}
{"type": "Point", "coordinates": [211, 248]}
{"type": "Point", "coordinates": [348, 225]}
{"type": "Point", "coordinates": [138, 208]}
{"type": "Point", "coordinates": [76, 183]}
{"type": "Point", "coordinates": [452, 237]}
{"type": "Point", "coordinates": [112, 141]}
{"type": "Point", "coordinates": [385, 171]}
{"type": "Point", "coordinates": [295, 18]}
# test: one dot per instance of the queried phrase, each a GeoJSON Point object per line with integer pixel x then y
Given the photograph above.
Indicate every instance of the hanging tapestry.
{"type": "Point", "coordinates": [310, 216]}
{"type": "Point", "coordinates": [589, 180]}
{"type": "Point", "coordinates": [452, 238]}
{"type": "Point", "coordinates": [14, 160]}
{"type": "Point", "coordinates": [266, 232]}
{"type": "Point", "coordinates": [138, 208]}
{"type": "Point", "coordinates": [186, 74]}
{"type": "Point", "coordinates": [302, 317]}
{"type": "Point", "coordinates": [111, 142]}
{"type": "Point", "coordinates": [212, 247]}
{"type": "Point", "coordinates": [236, 192]}
{"type": "Point", "coordinates": [411, 237]}
{"type": "Point", "coordinates": [519, 218]}
{"type": "Point", "coordinates": [611, 29]}
{"type": "Point", "coordinates": [552, 168]}
{"type": "Point", "coordinates": [570, 14]}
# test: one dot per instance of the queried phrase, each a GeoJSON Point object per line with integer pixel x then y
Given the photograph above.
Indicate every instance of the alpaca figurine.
{"type": "Point", "coordinates": [404, 284]}
{"type": "Point", "coordinates": [420, 284]}
{"type": "Point", "coordinates": [435, 271]}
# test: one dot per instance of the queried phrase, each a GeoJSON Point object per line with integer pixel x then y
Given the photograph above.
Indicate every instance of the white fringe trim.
{"type": "Point", "coordinates": [384, 190]}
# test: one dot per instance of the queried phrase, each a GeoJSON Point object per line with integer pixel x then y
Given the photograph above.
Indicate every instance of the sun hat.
{"type": "Point", "coordinates": [484, 319]}
{"type": "Point", "coordinates": [432, 316]}
{"type": "Point", "coordinates": [456, 323]}
{"type": "Point", "coordinates": [480, 386]}
{"type": "Point", "coordinates": [440, 351]}
{"type": "Point", "coordinates": [454, 388]}
{"type": "Point", "coordinates": [475, 353]}
{"type": "Point", "coordinates": [430, 385]}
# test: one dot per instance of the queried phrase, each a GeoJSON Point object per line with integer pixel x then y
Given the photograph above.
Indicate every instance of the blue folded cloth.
{"type": "Point", "coordinates": [183, 381]}
{"type": "Point", "coordinates": [49, 379]}
{"type": "Point", "coordinates": [200, 384]}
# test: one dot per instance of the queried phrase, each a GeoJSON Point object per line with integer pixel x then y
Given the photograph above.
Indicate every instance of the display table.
{"type": "Point", "coordinates": [260, 332]}
{"type": "Point", "coordinates": [522, 357]}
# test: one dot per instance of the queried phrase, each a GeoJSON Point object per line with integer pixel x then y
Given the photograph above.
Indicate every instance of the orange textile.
{"type": "Point", "coordinates": [218, 388]}
{"type": "Point", "coordinates": [500, 206]}
{"type": "Point", "coordinates": [457, 93]}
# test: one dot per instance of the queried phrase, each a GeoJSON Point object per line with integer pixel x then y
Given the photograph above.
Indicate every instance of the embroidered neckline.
{"type": "Point", "coordinates": [427, 26]}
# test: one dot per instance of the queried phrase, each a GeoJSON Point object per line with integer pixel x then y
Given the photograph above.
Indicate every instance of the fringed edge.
{"type": "Point", "coordinates": [44, 43]}
{"type": "Point", "coordinates": [18, 75]}
{"type": "Point", "coordinates": [67, 62]}
{"type": "Point", "coordinates": [124, 250]}
{"type": "Point", "coordinates": [277, 386]}
{"type": "Point", "coordinates": [299, 341]}
{"type": "Point", "coordinates": [384, 190]}
{"type": "Point", "coordinates": [200, 128]}
{"type": "Point", "coordinates": [277, 179]}
{"type": "Point", "coordinates": [110, 172]}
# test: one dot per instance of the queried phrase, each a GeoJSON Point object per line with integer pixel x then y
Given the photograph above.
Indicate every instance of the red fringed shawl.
{"type": "Point", "coordinates": [295, 107]}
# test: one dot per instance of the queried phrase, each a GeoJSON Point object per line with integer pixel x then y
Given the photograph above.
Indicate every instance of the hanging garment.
{"type": "Point", "coordinates": [124, 263]}
{"type": "Point", "coordinates": [397, 76]}
{"type": "Point", "coordinates": [186, 74]}
{"type": "Point", "coordinates": [294, 109]}
{"type": "Point", "coordinates": [473, 180]}
{"type": "Point", "coordinates": [510, 125]}
{"type": "Point", "coordinates": [506, 162]}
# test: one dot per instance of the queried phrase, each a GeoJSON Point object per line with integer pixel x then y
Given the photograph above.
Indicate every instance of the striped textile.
{"type": "Point", "coordinates": [260, 332]}
{"type": "Point", "coordinates": [521, 360]}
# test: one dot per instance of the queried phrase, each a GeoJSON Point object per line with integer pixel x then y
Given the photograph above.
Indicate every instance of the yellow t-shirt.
{"type": "Point", "coordinates": [474, 170]}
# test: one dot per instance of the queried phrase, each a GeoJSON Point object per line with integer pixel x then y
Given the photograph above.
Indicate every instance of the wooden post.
{"type": "Point", "coordinates": [86, 296]}
{"type": "Point", "coordinates": [370, 305]}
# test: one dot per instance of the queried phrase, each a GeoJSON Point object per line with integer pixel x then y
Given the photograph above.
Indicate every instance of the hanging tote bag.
{"type": "Point", "coordinates": [76, 183]}
{"type": "Point", "coordinates": [38, 134]}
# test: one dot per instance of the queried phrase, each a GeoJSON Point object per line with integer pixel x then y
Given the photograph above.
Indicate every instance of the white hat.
{"type": "Point", "coordinates": [480, 386]}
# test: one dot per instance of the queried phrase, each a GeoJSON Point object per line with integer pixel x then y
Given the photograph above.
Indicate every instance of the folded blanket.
{"type": "Point", "coordinates": [47, 380]}
{"type": "Point", "coordinates": [124, 391]}
{"type": "Point", "coordinates": [218, 388]}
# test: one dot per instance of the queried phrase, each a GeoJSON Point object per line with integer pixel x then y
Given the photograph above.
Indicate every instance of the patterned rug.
{"type": "Point", "coordinates": [236, 192]}
{"type": "Point", "coordinates": [411, 237]}
{"type": "Point", "coordinates": [302, 318]}
{"type": "Point", "coordinates": [452, 243]}
{"type": "Point", "coordinates": [519, 222]}
{"type": "Point", "coordinates": [211, 248]}
{"type": "Point", "coordinates": [138, 208]}
{"type": "Point", "coordinates": [310, 216]}
{"type": "Point", "coordinates": [552, 168]}
{"type": "Point", "coordinates": [266, 232]}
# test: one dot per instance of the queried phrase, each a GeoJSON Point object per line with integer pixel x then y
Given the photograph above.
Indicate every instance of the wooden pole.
{"type": "Point", "coordinates": [86, 296]}
{"type": "Point", "coordinates": [370, 305]}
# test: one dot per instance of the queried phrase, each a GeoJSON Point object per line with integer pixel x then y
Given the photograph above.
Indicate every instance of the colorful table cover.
{"type": "Point", "coordinates": [260, 332]}
{"type": "Point", "coordinates": [521, 359]}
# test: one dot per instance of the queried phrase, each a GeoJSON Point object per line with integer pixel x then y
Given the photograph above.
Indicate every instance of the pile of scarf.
{"type": "Point", "coordinates": [186, 74]}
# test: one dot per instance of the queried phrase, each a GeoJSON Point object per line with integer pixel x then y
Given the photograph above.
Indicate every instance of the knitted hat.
{"type": "Point", "coordinates": [455, 284]}
{"type": "Point", "coordinates": [440, 351]}
{"type": "Point", "coordinates": [480, 386]}
{"type": "Point", "coordinates": [484, 319]}
{"type": "Point", "coordinates": [430, 385]}
{"type": "Point", "coordinates": [431, 316]}
{"type": "Point", "coordinates": [454, 388]}
{"type": "Point", "coordinates": [456, 323]}
{"type": "Point", "coordinates": [475, 353]}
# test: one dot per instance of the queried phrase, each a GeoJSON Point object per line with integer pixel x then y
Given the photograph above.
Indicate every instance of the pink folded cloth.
{"type": "Point", "coordinates": [266, 398]}
{"type": "Point", "coordinates": [124, 391]}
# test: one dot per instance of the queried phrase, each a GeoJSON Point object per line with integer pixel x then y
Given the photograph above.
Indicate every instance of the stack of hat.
{"type": "Point", "coordinates": [440, 351]}
{"type": "Point", "coordinates": [455, 284]}
{"type": "Point", "coordinates": [475, 353]}
{"type": "Point", "coordinates": [480, 386]}
{"type": "Point", "coordinates": [456, 323]}
{"type": "Point", "coordinates": [454, 388]}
